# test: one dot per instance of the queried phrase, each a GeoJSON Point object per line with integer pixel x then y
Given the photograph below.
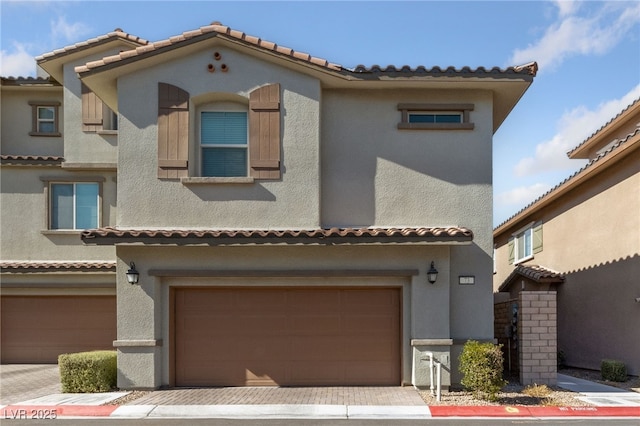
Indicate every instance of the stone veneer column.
{"type": "Point", "coordinates": [538, 337]}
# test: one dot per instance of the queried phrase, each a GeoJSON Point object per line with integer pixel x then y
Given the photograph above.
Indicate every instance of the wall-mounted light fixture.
{"type": "Point", "coordinates": [432, 274]}
{"type": "Point", "coordinates": [132, 274]}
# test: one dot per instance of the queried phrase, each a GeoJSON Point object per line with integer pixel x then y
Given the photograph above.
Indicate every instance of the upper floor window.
{"type": "Point", "coordinates": [235, 141]}
{"type": "Point", "coordinates": [428, 116]}
{"type": "Point", "coordinates": [96, 116]}
{"type": "Point", "coordinates": [44, 120]}
{"type": "Point", "coordinates": [74, 205]}
{"type": "Point", "coordinates": [525, 243]}
{"type": "Point", "coordinates": [223, 143]}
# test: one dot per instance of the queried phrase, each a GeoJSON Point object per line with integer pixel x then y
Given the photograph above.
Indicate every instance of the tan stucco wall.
{"type": "Point", "coordinates": [16, 122]}
{"type": "Point", "coordinates": [596, 223]}
{"type": "Point", "coordinates": [598, 317]}
{"type": "Point", "coordinates": [146, 201]}
{"type": "Point", "coordinates": [23, 210]}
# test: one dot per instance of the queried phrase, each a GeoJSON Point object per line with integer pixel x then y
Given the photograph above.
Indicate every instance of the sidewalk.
{"type": "Point", "coordinates": [371, 403]}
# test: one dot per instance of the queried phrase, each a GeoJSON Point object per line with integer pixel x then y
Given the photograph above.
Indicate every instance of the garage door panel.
{"type": "Point", "coordinates": [287, 336]}
{"type": "Point", "coordinates": [36, 329]}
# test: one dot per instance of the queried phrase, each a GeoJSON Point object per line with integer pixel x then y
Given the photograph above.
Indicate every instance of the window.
{"type": "Point", "coordinates": [44, 118]}
{"type": "Point", "coordinates": [96, 116]}
{"type": "Point", "coordinates": [74, 205]}
{"type": "Point", "coordinates": [232, 144]}
{"type": "Point", "coordinates": [435, 116]}
{"type": "Point", "coordinates": [525, 243]}
{"type": "Point", "coordinates": [223, 143]}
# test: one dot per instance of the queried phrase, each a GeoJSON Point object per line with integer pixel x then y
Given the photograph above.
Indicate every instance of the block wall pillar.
{"type": "Point", "coordinates": [538, 337]}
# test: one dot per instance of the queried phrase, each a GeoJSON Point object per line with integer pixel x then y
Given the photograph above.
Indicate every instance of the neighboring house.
{"type": "Point", "coordinates": [284, 214]}
{"type": "Point", "coordinates": [582, 239]}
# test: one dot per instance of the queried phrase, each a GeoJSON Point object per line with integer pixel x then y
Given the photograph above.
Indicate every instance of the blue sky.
{"type": "Point", "coordinates": [588, 53]}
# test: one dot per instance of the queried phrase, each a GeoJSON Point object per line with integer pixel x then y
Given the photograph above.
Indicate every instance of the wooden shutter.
{"type": "Point", "coordinates": [173, 131]}
{"type": "Point", "coordinates": [264, 132]}
{"type": "Point", "coordinates": [511, 248]}
{"type": "Point", "coordinates": [92, 114]}
{"type": "Point", "coordinates": [537, 238]}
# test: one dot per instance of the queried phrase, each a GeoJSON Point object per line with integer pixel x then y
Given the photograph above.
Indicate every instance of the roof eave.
{"type": "Point", "coordinates": [608, 160]}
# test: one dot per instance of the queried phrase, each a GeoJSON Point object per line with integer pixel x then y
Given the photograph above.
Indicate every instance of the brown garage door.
{"type": "Point", "coordinates": [253, 337]}
{"type": "Point", "coordinates": [38, 329]}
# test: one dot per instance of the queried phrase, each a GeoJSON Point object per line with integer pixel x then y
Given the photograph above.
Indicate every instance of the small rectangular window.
{"type": "Point", "coordinates": [435, 116]}
{"type": "Point", "coordinates": [224, 144]}
{"type": "Point", "coordinates": [44, 118]}
{"type": "Point", "coordinates": [74, 205]}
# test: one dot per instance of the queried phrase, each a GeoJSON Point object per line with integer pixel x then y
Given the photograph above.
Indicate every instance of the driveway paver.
{"type": "Point", "coordinates": [22, 382]}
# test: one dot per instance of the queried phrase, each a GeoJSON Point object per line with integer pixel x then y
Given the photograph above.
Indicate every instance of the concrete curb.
{"type": "Point", "coordinates": [305, 411]}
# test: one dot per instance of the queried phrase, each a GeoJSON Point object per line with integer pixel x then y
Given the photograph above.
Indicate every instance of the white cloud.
{"type": "Point", "coordinates": [65, 32]}
{"type": "Point", "coordinates": [572, 34]}
{"type": "Point", "coordinates": [566, 7]}
{"type": "Point", "coordinates": [574, 127]}
{"type": "Point", "coordinates": [17, 63]}
{"type": "Point", "coordinates": [522, 195]}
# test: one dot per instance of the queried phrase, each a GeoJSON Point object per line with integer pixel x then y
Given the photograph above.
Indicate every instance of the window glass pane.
{"type": "Point", "coordinates": [421, 118]}
{"type": "Point", "coordinates": [62, 206]}
{"type": "Point", "coordinates": [224, 162]}
{"type": "Point", "coordinates": [46, 127]}
{"type": "Point", "coordinates": [46, 113]}
{"type": "Point", "coordinates": [86, 205]}
{"type": "Point", "coordinates": [448, 118]}
{"type": "Point", "coordinates": [435, 118]}
{"type": "Point", "coordinates": [527, 243]}
{"type": "Point", "coordinates": [223, 128]}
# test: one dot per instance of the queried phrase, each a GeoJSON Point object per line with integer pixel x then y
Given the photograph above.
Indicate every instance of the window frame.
{"type": "Point", "coordinates": [48, 195]}
{"type": "Point", "coordinates": [36, 120]}
{"type": "Point", "coordinates": [222, 107]}
{"type": "Point", "coordinates": [517, 237]}
{"type": "Point", "coordinates": [407, 110]}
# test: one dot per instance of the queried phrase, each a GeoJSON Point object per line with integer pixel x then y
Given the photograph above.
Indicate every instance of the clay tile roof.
{"type": "Point", "coordinates": [30, 160]}
{"type": "Point", "coordinates": [213, 30]}
{"type": "Point", "coordinates": [330, 236]}
{"type": "Point", "coordinates": [113, 35]}
{"type": "Point", "coordinates": [527, 69]}
{"type": "Point", "coordinates": [630, 106]}
{"type": "Point", "coordinates": [536, 273]}
{"type": "Point", "coordinates": [57, 266]}
{"type": "Point", "coordinates": [28, 81]}
{"type": "Point", "coordinates": [619, 145]}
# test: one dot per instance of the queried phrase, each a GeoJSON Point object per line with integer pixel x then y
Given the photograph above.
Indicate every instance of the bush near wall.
{"type": "Point", "coordinates": [86, 372]}
{"type": "Point", "coordinates": [613, 370]}
{"type": "Point", "coordinates": [481, 365]}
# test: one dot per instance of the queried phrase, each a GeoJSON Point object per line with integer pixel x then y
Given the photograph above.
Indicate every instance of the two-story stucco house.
{"type": "Point", "coordinates": [582, 239]}
{"type": "Point", "coordinates": [291, 221]}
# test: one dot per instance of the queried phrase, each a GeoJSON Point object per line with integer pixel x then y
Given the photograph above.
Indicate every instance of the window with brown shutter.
{"type": "Point", "coordinates": [92, 111]}
{"type": "Point", "coordinates": [264, 132]}
{"type": "Point", "coordinates": [173, 131]}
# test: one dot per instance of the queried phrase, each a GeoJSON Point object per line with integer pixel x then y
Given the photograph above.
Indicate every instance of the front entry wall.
{"type": "Point", "coordinates": [286, 336]}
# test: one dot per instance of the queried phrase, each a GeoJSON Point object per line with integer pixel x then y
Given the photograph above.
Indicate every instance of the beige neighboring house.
{"type": "Point", "coordinates": [286, 216]}
{"type": "Point", "coordinates": [582, 239]}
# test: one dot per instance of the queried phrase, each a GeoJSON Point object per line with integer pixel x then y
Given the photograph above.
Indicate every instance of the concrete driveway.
{"type": "Point", "coordinates": [22, 382]}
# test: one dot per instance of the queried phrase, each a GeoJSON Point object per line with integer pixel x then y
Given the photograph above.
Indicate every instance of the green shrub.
{"type": "Point", "coordinates": [481, 368]}
{"type": "Point", "coordinates": [613, 370]}
{"type": "Point", "coordinates": [86, 372]}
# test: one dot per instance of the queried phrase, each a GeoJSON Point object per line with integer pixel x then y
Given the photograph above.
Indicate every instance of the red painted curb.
{"type": "Point", "coordinates": [49, 412]}
{"type": "Point", "coordinates": [526, 411]}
